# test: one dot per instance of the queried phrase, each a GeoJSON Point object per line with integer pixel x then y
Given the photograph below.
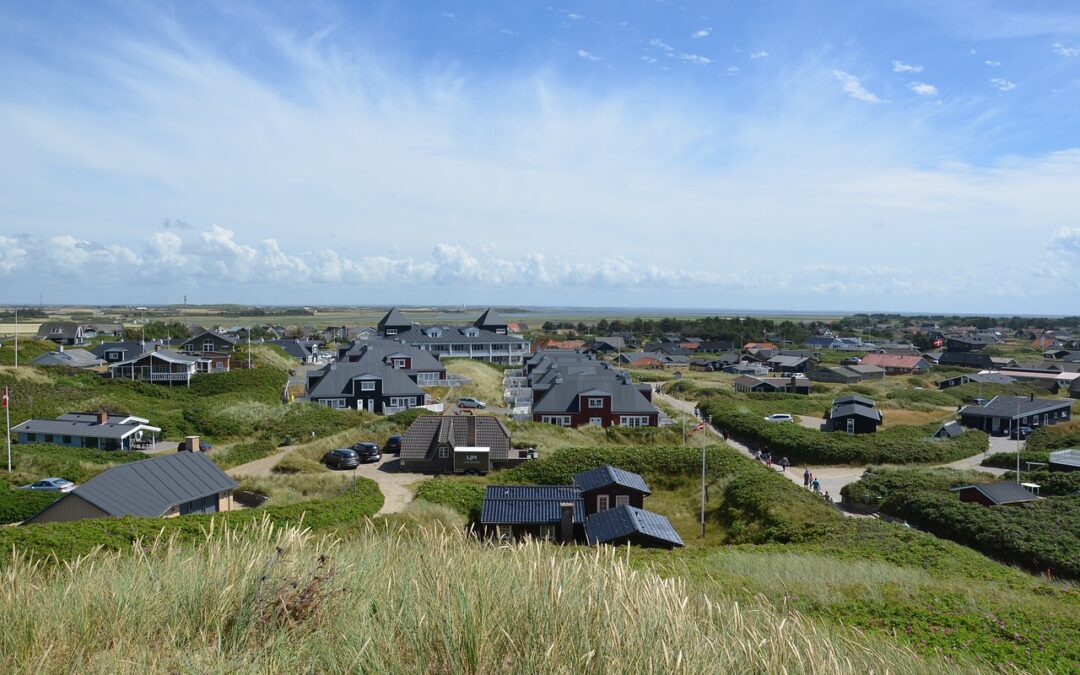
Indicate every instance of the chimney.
{"type": "Point", "coordinates": [190, 444]}
{"type": "Point", "coordinates": [1031, 397]}
{"type": "Point", "coordinates": [566, 522]}
{"type": "Point", "coordinates": [102, 417]}
{"type": "Point", "coordinates": [158, 346]}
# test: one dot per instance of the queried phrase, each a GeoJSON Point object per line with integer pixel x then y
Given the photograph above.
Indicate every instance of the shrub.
{"type": "Point", "coordinates": [18, 505]}
{"type": "Point", "coordinates": [885, 482]}
{"type": "Point", "coordinates": [1051, 483]}
{"type": "Point", "coordinates": [1007, 460]}
{"type": "Point", "coordinates": [1066, 435]}
{"type": "Point", "coordinates": [242, 453]}
{"type": "Point", "coordinates": [1017, 534]}
{"type": "Point", "coordinates": [897, 445]}
{"type": "Point", "coordinates": [465, 498]}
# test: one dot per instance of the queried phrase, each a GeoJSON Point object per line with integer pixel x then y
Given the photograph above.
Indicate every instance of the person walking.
{"type": "Point", "coordinates": [816, 486]}
{"type": "Point", "coordinates": [806, 478]}
{"type": "Point", "coordinates": [784, 464]}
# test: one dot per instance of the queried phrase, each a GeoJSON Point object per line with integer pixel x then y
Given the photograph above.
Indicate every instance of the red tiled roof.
{"type": "Point", "coordinates": [891, 360]}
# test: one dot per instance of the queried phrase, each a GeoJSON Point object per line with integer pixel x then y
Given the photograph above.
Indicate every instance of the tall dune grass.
{"type": "Point", "coordinates": [422, 600]}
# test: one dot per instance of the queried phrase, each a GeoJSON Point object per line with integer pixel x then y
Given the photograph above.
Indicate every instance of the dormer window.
{"type": "Point", "coordinates": [367, 385]}
{"type": "Point", "coordinates": [391, 331]}
{"type": "Point", "coordinates": [208, 345]}
{"type": "Point", "coordinates": [471, 332]}
{"type": "Point", "coordinates": [596, 403]}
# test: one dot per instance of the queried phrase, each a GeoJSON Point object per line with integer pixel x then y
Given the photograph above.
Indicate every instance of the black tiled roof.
{"type": "Point", "coordinates": [1005, 492]}
{"type": "Point", "coordinates": [152, 486]}
{"type": "Point", "coordinates": [1015, 406]}
{"type": "Point", "coordinates": [529, 504]}
{"type": "Point", "coordinates": [626, 521]}
{"type": "Point", "coordinates": [603, 476]}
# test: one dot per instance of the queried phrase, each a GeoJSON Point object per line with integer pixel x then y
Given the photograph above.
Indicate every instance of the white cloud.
{"type": "Point", "coordinates": [853, 88]}
{"type": "Point", "coordinates": [901, 67]}
{"type": "Point", "coordinates": [574, 16]}
{"type": "Point", "coordinates": [733, 69]}
{"type": "Point", "coordinates": [759, 55]}
{"type": "Point", "coordinates": [704, 32]}
{"type": "Point", "coordinates": [588, 56]}
{"type": "Point", "coordinates": [1002, 84]}
{"type": "Point", "coordinates": [449, 15]}
{"type": "Point", "coordinates": [648, 59]}
{"type": "Point", "coordinates": [1063, 50]}
{"type": "Point", "coordinates": [660, 44]}
{"type": "Point", "coordinates": [508, 32]}
{"type": "Point", "coordinates": [993, 64]}
{"type": "Point", "coordinates": [923, 89]}
{"type": "Point", "coordinates": [1066, 240]}
{"type": "Point", "coordinates": [694, 58]}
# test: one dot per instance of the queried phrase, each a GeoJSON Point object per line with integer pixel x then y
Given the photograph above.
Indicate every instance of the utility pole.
{"type": "Point", "coordinates": [706, 430]}
{"type": "Point", "coordinates": [16, 337]}
{"type": "Point", "coordinates": [1017, 440]}
{"type": "Point", "coordinates": [249, 350]}
{"type": "Point", "coordinates": [7, 416]}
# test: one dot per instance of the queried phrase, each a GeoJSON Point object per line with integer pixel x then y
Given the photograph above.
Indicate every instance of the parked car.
{"type": "Point", "coordinates": [393, 445]}
{"type": "Point", "coordinates": [341, 458]}
{"type": "Point", "coordinates": [779, 417]}
{"type": "Point", "coordinates": [470, 402]}
{"type": "Point", "coordinates": [50, 485]}
{"type": "Point", "coordinates": [1020, 433]}
{"type": "Point", "coordinates": [978, 401]}
{"type": "Point", "coordinates": [851, 361]}
{"type": "Point", "coordinates": [368, 452]}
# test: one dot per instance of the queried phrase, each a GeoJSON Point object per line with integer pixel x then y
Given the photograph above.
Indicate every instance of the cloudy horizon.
{"type": "Point", "coordinates": [818, 158]}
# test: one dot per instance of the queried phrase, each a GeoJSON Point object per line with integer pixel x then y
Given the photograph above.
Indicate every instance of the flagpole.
{"type": "Point", "coordinates": [703, 435]}
{"type": "Point", "coordinates": [7, 416]}
{"type": "Point", "coordinates": [16, 337]}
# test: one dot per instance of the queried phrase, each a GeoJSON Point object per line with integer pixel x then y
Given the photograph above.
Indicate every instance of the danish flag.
{"type": "Point", "coordinates": [5, 398]}
{"type": "Point", "coordinates": [697, 428]}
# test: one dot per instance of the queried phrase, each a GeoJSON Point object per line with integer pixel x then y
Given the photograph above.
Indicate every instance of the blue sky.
{"type": "Point", "coordinates": [777, 155]}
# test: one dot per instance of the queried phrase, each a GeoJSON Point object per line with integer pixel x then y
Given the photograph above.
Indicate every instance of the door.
{"type": "Point", "coordinates": [371, 405]}
{"type": "Point", "coordinates": [596, 421]}
{"type": "Point", "coordinates": [851, 425]}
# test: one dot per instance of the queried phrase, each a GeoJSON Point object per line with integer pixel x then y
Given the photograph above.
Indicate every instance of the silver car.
{"type": "Point", "coordinates": [50, 485]}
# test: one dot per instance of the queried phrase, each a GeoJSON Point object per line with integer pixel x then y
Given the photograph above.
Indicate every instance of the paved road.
{"type": "Point", "coordinates": [260, 467]}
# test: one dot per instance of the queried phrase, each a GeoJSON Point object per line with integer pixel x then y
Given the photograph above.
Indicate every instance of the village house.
{"type": "Point", "coordinates": [459, 444]}
{"type": "Point", "coordinates": [1002, 414]}
{"type": "Point", "coordinates": [772, 385]}
{"type": "Point", "coordinates": [183, 483]}
{"type": "Point", "coordinates": [487, 339]}
{"type": "Point", "coordinates": [846, 374]}
{"type": "Point", "coordinates": [70, 358]}
{"type": "Point", "coordinates": [897, 364]}
{"type": "Point", "coordinates": [100, 431]}
{"type": "Point", "coordinates": [213, 349]}
{"type": "Point", "coordinates": [994, 494]}
{"type": "Point", "coordinates": [161, 366]}
{"type": "Point", "coordinates": [853, 414]}
{"type": "Point", "coordinates": [377, 388]}
{"type": "Point", "coordinates": [421, 366]}
{"type": "Point", "coordinates": [67, 333]}
{"type": "Point", "coordinates": [114, 352]}
{"type": "Point", "coordinates": [572, 389]}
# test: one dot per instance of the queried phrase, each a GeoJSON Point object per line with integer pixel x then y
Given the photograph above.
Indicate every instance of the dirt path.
{"type": "Point", "coordinates": [396, 487]}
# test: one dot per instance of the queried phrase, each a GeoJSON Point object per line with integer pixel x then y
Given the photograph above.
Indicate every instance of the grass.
{"type": "Point", "coordinates": [292, 489]}
{"type": "Point", "coordinates": [486, 382]}
{"type": "Point", "coordinates": [549, 438]}
{"type": "Point", "coordinates": [396, 601]}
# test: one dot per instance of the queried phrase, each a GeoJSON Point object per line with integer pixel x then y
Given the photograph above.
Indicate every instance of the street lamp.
{"type": "Point", "coordinates": [142, 320]}
{"type": "Point", "coordinates": [708, 421]}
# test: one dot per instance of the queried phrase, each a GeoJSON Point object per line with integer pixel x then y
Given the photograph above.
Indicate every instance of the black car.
{"type": "Point", "coordinates": [368, 452]}
{"type": "Point", "coordinates": [342, 458]}
{"type": "Point", "coordinates": [393, 445]}
{"type": "Point", "coordinates": [1020, 433]}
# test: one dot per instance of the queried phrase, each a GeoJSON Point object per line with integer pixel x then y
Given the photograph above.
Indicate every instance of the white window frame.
{"type": "Point", "coordinates": [206, 342]}
{"type": "Point", "coordinates": [391, 331]}
{"type": "Point", "coordinates": [596, 402]}
{"type": "Point", "coordinates": [603, 503]}
{"type": "Point", "coordinates": [444, 452]}
{"type": "Point", "coordinates": [622, 500]}
{"type": "Point", "coordinates": [367, 385]}
{"type": "Point", "coordinates": [558, 420]}
{"type": "Point", "coordinates": [338, 403]}
{"type": "Point", "coordinates": [399, 363]}
{"type": "Point", "coordinates": [851, 425]}
{"type": "Point", "coordinates": [402, 401]}
{"type": "Point", "coordinates": [633, 421]}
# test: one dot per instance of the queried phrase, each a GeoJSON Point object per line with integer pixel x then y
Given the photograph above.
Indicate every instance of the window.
{"type": "Point", "coordinates": [399, 363]}
{"type": "Point", "coordinates": [67, 440]}
{"type": "Point", "coordinates": [332, 402]}
{"type": "Point", "coordinates": [391, 331]}
{"type": "Point", "coordinates": [48, 438]}
{"type": "Point", "coordinates": [851, 425]}
{"type": "Point", "coordinates": [602, 503]}
{"type": "Point", "coordinates": [31, 437]}
{"type": "Point", "coordinates": [444, 452]}
{"type": "Point", "coordinates": [208, 504]}
{"type": "Point", "coordinates": [367, 385]}
{"type": "Point", "coordinates": [596, 403]}
{"type": "Point", "coordinates": [634, 420]}
{"type": "Point", "coordinates": [561, 420]}
{"type": "Point", "coordinates": [622, 500]}
{"type": "Point", "coordinates": [208, 345]}
{"type": "Point", "coordinates": [402, 401]}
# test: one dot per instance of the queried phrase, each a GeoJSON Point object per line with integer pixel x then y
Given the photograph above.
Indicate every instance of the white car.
{"type": "Point", "coordinates": [50, 485]}
{"type": "Point", "coordinates": [469, 402]}
{"type": "Point", "coordinates": [779, 417]}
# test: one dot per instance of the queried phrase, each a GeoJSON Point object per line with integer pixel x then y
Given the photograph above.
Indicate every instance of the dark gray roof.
{"type": "Point", "coordinates": [1005, 492]}
{"type": "Point", "coordinates": [53, 329]}
{"type": "Point", "coordinates": [73, 358]}
{"type": "Point", "coordinates": [1067, 457]}
{"type": "Point", "coordinates": [849, 399]}
{"type": "Point", "coordinates": [375, 352]}
{"type": "Point", "coordinates": [626, 521]}
{"type": "Point", "coordinates": [336, 379]}
{"type": "Point", "coordinates": [562, 397]}
{"type": "Point", "coordinates": [603, 476]}
{"type": "Point", "coordinates": [529, 504]}
{"type": "Point", "coordinates": [129, 349]}
{"type": "Point", "coordinates": [417, 335]}
{"type": "Point", "coordinates": [294, 348]}
{"type": "Point", "coordinates": [490, 319]}
{"type": "Point", "coordinates": [949, 430]}
{"type": "Point", "coordinates": [790, 361]}
{"type": "Point", "coordinates": [427, 431]}
{"type": "Point", "coordinates": [153, 486]}
{"type": "Point", "coordinates": [199, 336]}
{"type": "Point", "coordinates": [164, 354]}
{"type": "Point", "coordinates": [839, 411]}
{"type": "Point", "coordinates": [1013, 407]}
{"type": "Point", "coordinates": [393, 319]}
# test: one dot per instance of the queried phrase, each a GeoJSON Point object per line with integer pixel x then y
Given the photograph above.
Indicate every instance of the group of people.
{"type": "Point", "coordinates": [764, 455]}
{"type": "Point", "coordinates": [810, 482]}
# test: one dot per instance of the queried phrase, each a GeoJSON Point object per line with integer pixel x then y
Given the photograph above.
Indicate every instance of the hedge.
{"type": "Point", "coordinates": [884, 482]}
{"type": "Point", "coordinates": [1039, 536]}
{"type": "Point", "coordinates": [1007, 460]}
{"type": "Point", "coordinates": [1055, 437]}
{"type": "Point", "coordinates": [898, 445]}
{"type": "Point", "coordinates": [55, 542]}
{"type": "Point", "coordinates": [18, 505]}
{"type": "Point", "coordinates": [465, 498]}
{"type": "Point", "coordinates": [1051, 483]}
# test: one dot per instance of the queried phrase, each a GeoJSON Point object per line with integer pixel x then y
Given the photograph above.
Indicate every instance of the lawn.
{"type": "Point", "coordinates": [486, 381]}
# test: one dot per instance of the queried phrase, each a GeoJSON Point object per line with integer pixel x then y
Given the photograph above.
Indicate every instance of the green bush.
{"type": "Point", "coordinates": [43, 460]}
{"type": "Point", "coordinates": [897, 445]}
{"type": "Point", "coordinates": [1051, 483]}
{"type": "Point", "coordinates": [1019, 534]}
{"type": "Point", "coordinates": [465, 498]}
{"type": "Point", "coordinates": [1007, 460]}
{"type": "Point", "coordinates": [65, 541]}
{"type": "Point", "coordinates": [885, 482]}
{"type": "Point", "coordinates": [242, 453]}
{"type": "Point", "coordinates": [1055, 437]}
{"type": "Point", "coordinates": [18, 505]}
